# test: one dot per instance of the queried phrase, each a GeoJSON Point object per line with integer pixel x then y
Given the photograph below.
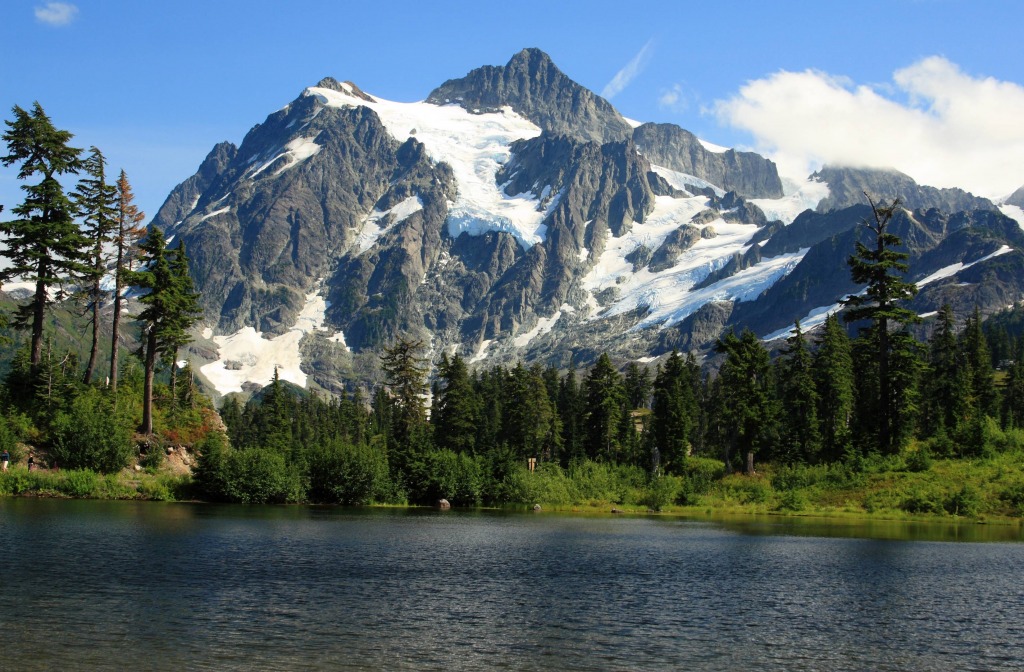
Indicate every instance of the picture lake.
{"type": "Point", "coordinates": [92, 585]}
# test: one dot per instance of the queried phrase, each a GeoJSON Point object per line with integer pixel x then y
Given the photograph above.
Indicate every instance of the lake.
{"type": "Point", "coordinates": [88, 585]}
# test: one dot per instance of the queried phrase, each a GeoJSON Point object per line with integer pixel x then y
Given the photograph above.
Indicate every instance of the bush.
{"type": "Point", "coordinates": [457, 478]}
{"type": "Point", "coordinates": [257, 476]}
{"type": "Point", "coordinates": [79, 483]}
{"type": "Point", "coordinates": [661, 490]}
{"type": "Point", "coordinates": [920, 459]}
{"type": "Point", "coordinates": [922, 501]}
{"type": "Point", "coordinates": [90, 436]}
{"type": "Point", "coordinates": [792, 500]}
{"type": "Point", "coordinates": [348, 474]}
{"type": "Point", "coordinates": [966, 502]}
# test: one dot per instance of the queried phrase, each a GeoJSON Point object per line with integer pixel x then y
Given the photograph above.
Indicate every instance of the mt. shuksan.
{"type": "Point", "coordinates": [516, 216]}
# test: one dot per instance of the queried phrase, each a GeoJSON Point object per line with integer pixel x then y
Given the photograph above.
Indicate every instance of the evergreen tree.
{"type": "Point", "coordinates": [570, 412]}
{"type": "Point", "coordinates": [748, 405]}
{"type": "Point", "coordinates": [605, 399]}
{"type": "Point", "coordinates": [1013, 398]}
{"type": "Point", "coordinates": [673, 414]}
{"type": "Point", "coordinates": [186, 312]}
{"type": "Point", "coordinates": [979, 361]}
{"type": "Point", "coordinates": [43, 244]}
{"type": "Point", "coordinates": [126, 238]}
{"type": "Point", "coordinates": [801, 434]}
{"type": "Point", "coordinates": [458, 410]}
{"type": "Point", "coordinates": [96, 202]}
{"type": "Point", "coordinates": [881, 269]}
{"type": "Point", "coordinates": [529, 426]}
{"type": "Point", "coordinates": [946, 382]}
{"type": "Point", "coordinates": [834, 383]}
{"type": "Point", "coordinates": [406, 380]}
{"type": "Point", "coordinates": [638, 385]}
{"type": "Point", "coordinates": [169, 310]}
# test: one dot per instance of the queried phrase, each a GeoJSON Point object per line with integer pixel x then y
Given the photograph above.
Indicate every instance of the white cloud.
{"type": "Point", "coordinates": [56, 13]}
{"type": "Point", "coordinates": [674, 99]}
{"type": "Point", "coordinates": [948, 130]}
{"type": "Point", "coordinates": [624, 76]}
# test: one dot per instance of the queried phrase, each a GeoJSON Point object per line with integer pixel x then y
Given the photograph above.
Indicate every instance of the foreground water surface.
{"type": "Point", "coordinates": [141, 585]}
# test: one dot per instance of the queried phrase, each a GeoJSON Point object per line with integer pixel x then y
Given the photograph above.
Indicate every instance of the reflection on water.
{"type": "Point", "coordinates": [119, 585]}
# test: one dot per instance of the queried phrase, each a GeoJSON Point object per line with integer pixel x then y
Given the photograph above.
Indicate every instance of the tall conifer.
{"type": "Point", "coordinates": [126, 238]}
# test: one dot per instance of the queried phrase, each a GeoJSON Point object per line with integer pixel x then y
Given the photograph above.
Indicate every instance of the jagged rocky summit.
{"type": "Point", "coordinates": [514, 215]}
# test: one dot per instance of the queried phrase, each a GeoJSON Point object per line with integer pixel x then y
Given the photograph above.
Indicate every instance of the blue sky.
{"type": "Point", "coordinates": [933, 87]}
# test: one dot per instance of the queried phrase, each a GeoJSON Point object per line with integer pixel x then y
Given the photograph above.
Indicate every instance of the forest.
{"type": "Point", "coordinates": [837, 410]}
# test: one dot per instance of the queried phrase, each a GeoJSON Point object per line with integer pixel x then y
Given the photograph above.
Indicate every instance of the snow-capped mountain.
{"type": "Point", "coordinates": [515, 215]}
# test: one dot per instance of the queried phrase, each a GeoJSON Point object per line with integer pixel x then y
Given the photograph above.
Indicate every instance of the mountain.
{"type": "Point", "coordinates": [513, 215]}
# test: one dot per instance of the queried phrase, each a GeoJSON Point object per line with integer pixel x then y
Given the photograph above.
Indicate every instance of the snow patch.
{"type": "Point", "coordinates": [207, 332]}
{"type": "Point", "coordinates": [296, 151]}
{"type": "Point", "coordinates": [953, 269]}
{"type": "Point", "coordinates": [475, 146]}
{"type": "Point", "coordinates": [684, 181]}
{"type": "Point", "coordinates": [372, 229]}
{"type": "Point", "coordinates": [810, 321]}
{"type": "Point", "coordinates": [1013, 212]}
{"type": "Point", "coordinates": [800, 196]}
{"type": "Point", "coordinates": [711, 147]}
{"type": "Point", "coordinates": [481, 353]}
{"type": "Point", "coordinates": [247, 356]}
{"type": "Point", "coordinates": [633, 122]}
{"type": "Point", "coordinates": [543, 326]}
{"type": "Point", "coordinates": [220, 211]}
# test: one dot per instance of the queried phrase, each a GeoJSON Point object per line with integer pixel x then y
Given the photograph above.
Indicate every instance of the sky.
{"type": "Point", "coordinates": [934, 88]}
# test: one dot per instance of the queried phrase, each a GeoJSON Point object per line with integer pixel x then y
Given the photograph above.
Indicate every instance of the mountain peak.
{"type": "Point", "coordinates": [532, 85]}
{"type": "Point", "coordinates": [344, 87]}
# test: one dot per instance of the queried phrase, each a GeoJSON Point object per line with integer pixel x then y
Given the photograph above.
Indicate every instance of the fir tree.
{"type": "Point", "coordinates": [833, 376]}
{"type": "Point", "coordinates": [570, 411]}
{"type": "Point", "coordinates": [881, 269]}
{"type": "Point", "coordinates": [406, 380]}
{"type": "Point", "coordinates": [673, 414]}
{"type": "Point", "coordinates": [169, 310]}
{"type": "Point", "coordinates": [186, 312]}
{"type": "Point", "coordinates": [946, 382]}
{"type": "Point", "coordinates": [748, 405]}
{"type": "Point", "coordinates": [801, 435]}
{"type": "Point", "coordinates": [458, 411]}
{"type": "Point", "coordinates": [638, 385]}
{"type": "Point", "coordinates": [96, 202]}
{"type": "Point", "coordinates": [126, 238]}
{"type": "Point", "coordinates": [605, 398]}
{"type": "Point", "coordinates": [43, 244]}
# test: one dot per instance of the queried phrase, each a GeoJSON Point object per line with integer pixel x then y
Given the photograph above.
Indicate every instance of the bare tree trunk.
{"type": "Point", "coordinates": [94, 351]}
{"type": "Point", "coordinates": [750, 463]}
{"type": "Point", "coordinates": [147, 388]}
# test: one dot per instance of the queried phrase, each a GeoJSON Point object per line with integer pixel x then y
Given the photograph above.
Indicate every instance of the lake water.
{"type": "Point", "coordinates": [148, 586]}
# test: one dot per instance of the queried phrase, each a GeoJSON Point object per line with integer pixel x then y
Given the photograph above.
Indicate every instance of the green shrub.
{"type": "Point", "coordinates": [1014, 497]}
{"type": "Point", "coordinates": [661, 490]}
{"type": "Point", "coordinates": [922, 501]}
{"type": "Point", "coordinates": [348, 474]}
{"type": "Point", "coordinates": [79, 482]}
{"type": "Point", "coordinates": [920, 459]}
{"type": "Point", "coordinates": [966, 502]}
{"type": "Point", "coordinates": [257, 476]}
{"type": "Point", "coordinates": [792, 500]}
{"type": "Point", "coordinates": [91, 436]}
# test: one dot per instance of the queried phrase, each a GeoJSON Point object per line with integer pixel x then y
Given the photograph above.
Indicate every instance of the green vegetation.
{"type": "Point", "coordinates": [880, 424]}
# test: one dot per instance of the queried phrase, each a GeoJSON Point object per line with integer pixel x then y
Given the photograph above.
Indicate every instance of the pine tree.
{"type": "Point", "coordinates": [801, 434]}
{"type": "Point", "coordinates": [169, 310]}
{"type": "Point", "coordinates": [946, 382]}
{"type": "Point", "coordinates": [43, 244]}
{"type": "Point", "coordinates": [638, 385]}
{"type": "Point", "coordinates": [96, 202]}
{"type": "Point", "coordinates": [979, 361]}
{"type": "Point", "coordinates": [1013, 399]}
{"type": "Point", "coordinates": [458, 410]}
{"type": "Point", "coordinates": [881, 269]}
{"type": "Point", "coordinates": [748, 404]}
{"type": "Point", "coordinates": [833, 376]}
{"type": "Point", "coordinates": [187, 312]}
{"type": "Point", "coordinates": [605, 399]}
{"type": "Point", "coordinates": [126, 238]}
{"type": "Point", "coordinates": [570, 411]}
{"type": "Point", "coordinates": [406, 380]}
{"type": "Point", "coordinates": [673, 414]}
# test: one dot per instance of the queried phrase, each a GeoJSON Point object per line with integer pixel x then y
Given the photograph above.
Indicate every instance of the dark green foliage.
{"type": "Point", "coordinates": [96, 202]}
{"type": "Point", "coordinates": [89, 435]}
{"type": "Point", "coordinates": [607, 419]}
{"type": "Point", "coordinates": [748, 406]}
{"type": "Point", "coordinates": [800, 435]}
{"type": "Point", "coordinates": [348, 474]}
{"type": "Point", "coordinates": [881, 267]}
{"type": "Point", "coordinates": [834, 383]}
{"type": "Point", "coordinates": [43, 243]}
{"type": "Point", "coordinates": [257, 476]}
{"type": "Point", "coordinates": [458, 410]}
{"type": "Point", "coordinates": [674, 413]}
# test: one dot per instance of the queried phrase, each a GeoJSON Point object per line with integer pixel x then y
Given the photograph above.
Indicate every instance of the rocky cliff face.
{"type": "Point", "coordinates": [847, 187]}
{"type": "Point", "coordinates": [746, 173]}
{"type": "Point", "coordinates": [527, 222]}
{"type": "Point", "coordinates": [533, 86]}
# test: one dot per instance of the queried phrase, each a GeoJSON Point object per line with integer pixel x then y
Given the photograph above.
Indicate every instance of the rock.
{"type": "Point", "coordinates": [536, 507]}
{"type": "Point", "coordinates": [443, 504]}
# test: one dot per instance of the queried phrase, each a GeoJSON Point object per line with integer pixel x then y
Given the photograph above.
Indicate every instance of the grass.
{"type": "Point", "coordinates": [85, 484]}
